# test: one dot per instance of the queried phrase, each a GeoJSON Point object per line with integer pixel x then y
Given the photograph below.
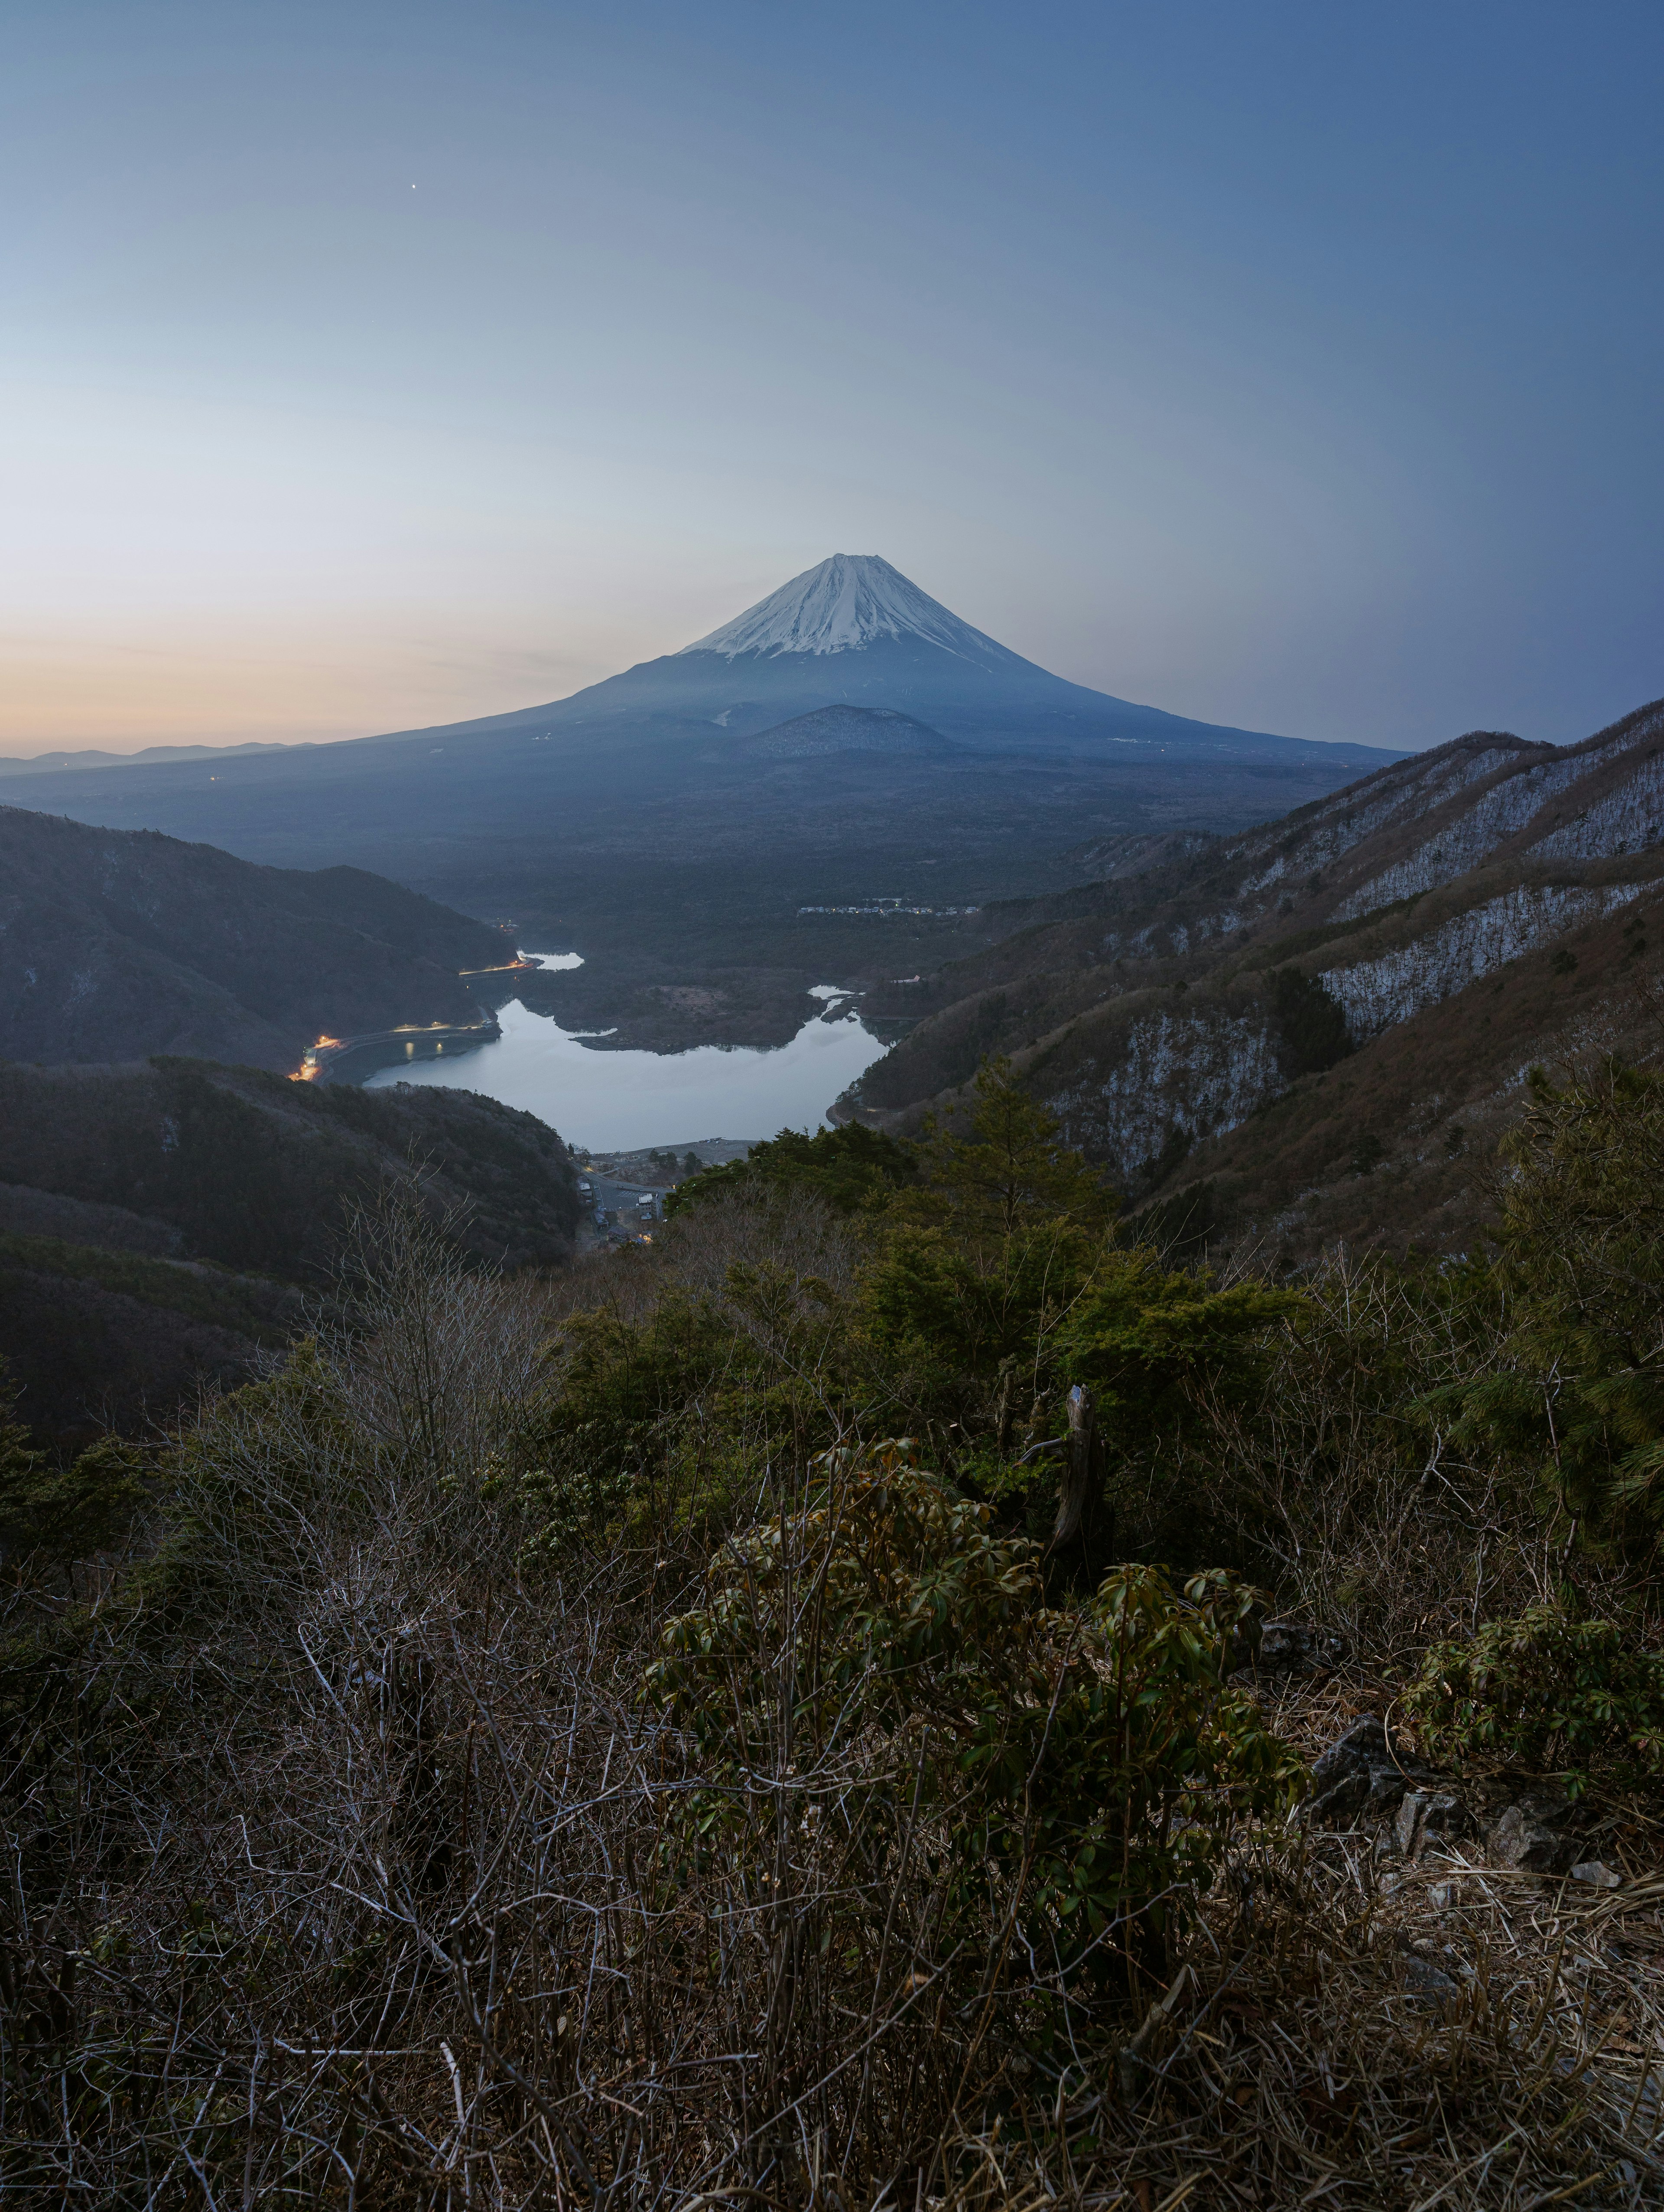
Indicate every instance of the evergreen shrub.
{"type": "Point", "coordinates": [1545, 1690]}
{"type": "Point", "coordinates": [879, 1659]}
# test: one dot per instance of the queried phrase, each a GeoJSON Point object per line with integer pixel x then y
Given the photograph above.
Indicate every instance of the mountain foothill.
{"type": "Point", "coordinates": [1283, 993]}
{"type": "Point", "coordinates": [114, 944]}
{"type": "Point", "coordinates": [166, 1225]}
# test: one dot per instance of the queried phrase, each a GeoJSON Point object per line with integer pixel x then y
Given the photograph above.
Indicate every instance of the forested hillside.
{"type": "Point", "coordinates": [117, 943]}
{"type": "Point", "coordinates": [160, 1223]}
{"type": "Point", "coordinates": [1440, 927]}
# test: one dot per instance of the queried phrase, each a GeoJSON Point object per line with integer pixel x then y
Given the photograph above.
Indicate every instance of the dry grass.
{"type": "Point", "coordinates": [1310, 2059]}
{"type": "Point", "coordinates": [1347, 1491]}
{"type": "Point", "coordinates": [410, 1938]}
{"type": "Point", "coordinates": [347, 1866]}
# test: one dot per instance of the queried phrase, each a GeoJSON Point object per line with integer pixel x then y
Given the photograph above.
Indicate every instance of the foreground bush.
{"type": "Point", "coordinates": [846, 1168]}
{"type": "Point", "coordinates": [1545, 1691]}
{"type": "Point", "coordinates": [519, 1763]}
{"type": "Point", "coordinates": [878, 1661]}
{"type": "Point", "coordinates": [442, 1894]}
{"type": "Point", "coordinates": [1579, 1388]}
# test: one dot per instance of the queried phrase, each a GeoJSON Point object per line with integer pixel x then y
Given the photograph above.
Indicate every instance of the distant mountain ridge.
{"type": "Point", "coordinates": [117, 944]}
{"type": "Point", "coordinates": [90, 757]}
{"type": "Point", "coordinates": [852, 630]}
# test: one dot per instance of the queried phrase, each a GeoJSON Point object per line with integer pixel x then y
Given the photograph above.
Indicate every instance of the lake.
{"type": "Point", "coordinates": [624, 1101]}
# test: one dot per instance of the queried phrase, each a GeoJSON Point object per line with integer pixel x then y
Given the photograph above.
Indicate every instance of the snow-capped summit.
{"type": "Point", "coordinates": [855, 632]}
{"type": "Point", "coordinates": [846, 603]}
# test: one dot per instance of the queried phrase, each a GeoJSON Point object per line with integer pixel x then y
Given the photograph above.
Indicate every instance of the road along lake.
{"type": "Point", "coordinates": [624, 1101]}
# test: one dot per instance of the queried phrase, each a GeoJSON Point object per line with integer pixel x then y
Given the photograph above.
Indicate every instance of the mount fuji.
{"type": "Point", "coordinates": [854, 631]}
{"type": "Point", "coordinates": [707, 817]}
{"type": "Point", "coordinates": [845, 604]}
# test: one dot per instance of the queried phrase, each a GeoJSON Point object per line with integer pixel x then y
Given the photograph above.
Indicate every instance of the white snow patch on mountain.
{"type": "Point", "coordinates": [844, 604]}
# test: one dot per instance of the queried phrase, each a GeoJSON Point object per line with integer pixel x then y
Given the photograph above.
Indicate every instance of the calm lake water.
{"type": "Point", "coordinates": [621, 1101]}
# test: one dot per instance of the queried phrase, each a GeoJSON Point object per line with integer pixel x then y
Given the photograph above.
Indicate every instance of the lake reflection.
{"type": "Point", "coordinates": [621, 1101]}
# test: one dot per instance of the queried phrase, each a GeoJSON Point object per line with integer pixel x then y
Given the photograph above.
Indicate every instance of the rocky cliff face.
{"type": "Point", "coordinates": [1162, 1079]}
{"type": "Point", "coordinates": [1433, 966]}
{"type": "Point", "coordinates": [1144, 1010]}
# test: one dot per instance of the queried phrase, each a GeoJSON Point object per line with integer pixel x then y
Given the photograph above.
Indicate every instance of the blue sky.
{"type": "Point", "coordinates": [1290, 365]}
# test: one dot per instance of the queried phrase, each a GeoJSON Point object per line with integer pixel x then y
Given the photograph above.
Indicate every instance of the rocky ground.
{"type": "Point", "coordinates": [1451, 1993]}
{"type": "Point", "coordinates": [1432, 1991]}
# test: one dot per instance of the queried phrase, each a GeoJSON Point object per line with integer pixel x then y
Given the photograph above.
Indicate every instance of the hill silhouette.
{"type": "Point", "coordinates": [120, 944]}
{"type": "Point", "coordinates": [162, 1224]}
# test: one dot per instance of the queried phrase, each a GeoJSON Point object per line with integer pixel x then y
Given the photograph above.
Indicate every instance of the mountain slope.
{"type": "Point", "coordinates": [115, 944]}
{"type": "Point", "coordinates": [1394, 1146]}
{"type": "Point", "coordinates": [1158, 1013]}
{"type": "Point", "coordinates": [849, 730]}
{"type": "Point", "coordinates": [158, 1223]}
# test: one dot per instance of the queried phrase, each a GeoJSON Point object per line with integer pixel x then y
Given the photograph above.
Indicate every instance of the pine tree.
{"type": "Point", "coordinates": [66, 1512]}
{"type": "Point", "coordinates": [1012, 1167]}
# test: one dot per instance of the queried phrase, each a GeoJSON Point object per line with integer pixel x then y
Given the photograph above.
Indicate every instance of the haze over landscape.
{"type": "Point", "coordinates": [831, 1108]}
{"type": "Point", "coordinates": [378, 367]}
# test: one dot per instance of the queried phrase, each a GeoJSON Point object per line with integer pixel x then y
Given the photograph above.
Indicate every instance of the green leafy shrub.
{"type": "Point", "coordinates": [948, 1311]}
{"type": "Point", "coordinates": [1543, 1690]}
{"type": "Point", "coordinates": [1152, 1342]}
{"type": "Point", "coordinates": [666, 1422]}
{"type": "Point", "coordinates": [972, 1272]}
{"type": "Point", "coordinates": [64, 1512]}
{"type": "Point", "coordinates": [880, 1658]}
{"type": "Point", "coordinates": [73, 1511]}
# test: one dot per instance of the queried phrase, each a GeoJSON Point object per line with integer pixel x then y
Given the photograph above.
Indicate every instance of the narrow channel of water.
{"type": "Point", "coordinates": [622, 1101]}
